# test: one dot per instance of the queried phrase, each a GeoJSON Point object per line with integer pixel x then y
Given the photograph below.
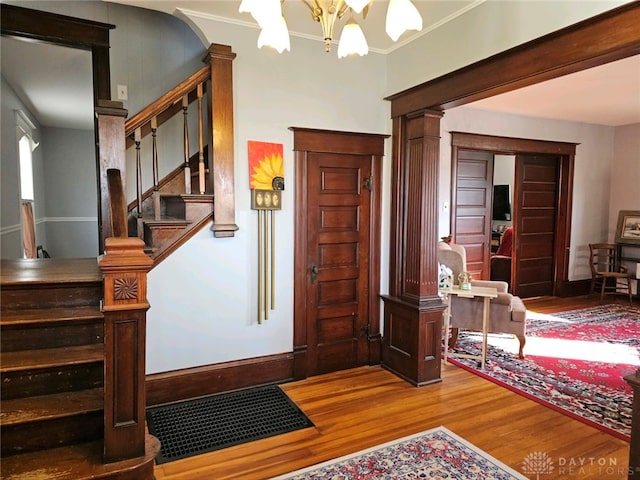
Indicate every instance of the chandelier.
{"type": "Point", "coordinates": [402, 15]}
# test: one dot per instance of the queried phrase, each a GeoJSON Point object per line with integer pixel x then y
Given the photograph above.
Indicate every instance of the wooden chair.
{"type": "Point", "coordinates": [606, 272]}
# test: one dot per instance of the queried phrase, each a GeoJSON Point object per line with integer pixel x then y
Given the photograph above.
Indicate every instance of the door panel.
{"type": "Point", "coordinates": [537, 179]}
{"type": "Point", "coordinates": [338, 246]}
{"type": "Point", "coordinates": [472, 208]}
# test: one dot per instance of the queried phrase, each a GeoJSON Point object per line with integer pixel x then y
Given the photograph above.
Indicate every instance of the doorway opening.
{"type": "Point", "coordinates": [540, 207]}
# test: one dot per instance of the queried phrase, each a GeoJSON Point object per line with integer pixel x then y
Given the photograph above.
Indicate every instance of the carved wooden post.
{"type": "Point", "coordinates": [111, 147]}
{"type": "Point", "coordinates": [634, 444]}
{"type": "Point", "coordinates": [219, 57]}
{"type": "Point", "coordinates": [125, 267]}
{"type": "Point", "coordinates": [413, 310]}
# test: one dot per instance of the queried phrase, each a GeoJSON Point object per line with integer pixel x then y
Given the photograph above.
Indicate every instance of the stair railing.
{"type": "Point", "coordinates": [124, 262]}
{"type": "Point", "coordinates": [157, 113]}
{"type": "Point", "coordinates": [216, 80]}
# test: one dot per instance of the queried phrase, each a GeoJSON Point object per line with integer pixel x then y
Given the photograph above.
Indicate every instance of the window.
{"type": "Point", "coordinates": [26, 145]}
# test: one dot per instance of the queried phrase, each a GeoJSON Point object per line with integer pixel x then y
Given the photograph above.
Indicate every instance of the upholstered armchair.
{"type": "Point", "coordinates": [507, 313]}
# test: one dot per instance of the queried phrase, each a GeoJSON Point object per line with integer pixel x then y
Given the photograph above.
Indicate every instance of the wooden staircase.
{"type": "Point", "coordinates": [180, 217]}
{"type": "Point", "coordinates": [51, 367]}
{"type": "Point", "coordinates": [72, 357]}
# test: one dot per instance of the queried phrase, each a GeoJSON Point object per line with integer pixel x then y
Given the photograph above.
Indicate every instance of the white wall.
{"type": "Point", "coordinates": [204, 297]}
{"type": "Point", "coordinates": [625, 175]}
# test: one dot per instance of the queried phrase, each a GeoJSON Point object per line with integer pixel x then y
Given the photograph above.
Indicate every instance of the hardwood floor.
{"type": "Point", "coordinates": [360, 408]}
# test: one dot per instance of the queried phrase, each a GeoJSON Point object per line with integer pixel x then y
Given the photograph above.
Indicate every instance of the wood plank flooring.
{"type": "Point", "coordinates": [360, 408]}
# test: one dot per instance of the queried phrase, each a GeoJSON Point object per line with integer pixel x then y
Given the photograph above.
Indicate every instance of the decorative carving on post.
{"type": "Point", "coordinates": [124, 266]}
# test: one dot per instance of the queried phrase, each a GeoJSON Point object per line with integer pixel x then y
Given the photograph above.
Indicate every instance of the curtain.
{"type": "Point", "coordinates": [28, 231]}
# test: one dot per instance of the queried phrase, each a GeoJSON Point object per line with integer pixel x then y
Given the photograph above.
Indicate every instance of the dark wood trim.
{"type": "Point", "coordinates": [110, 147]}
{"type": "Point", "coordinates": [124, 266]}
{"type": "Point", "coordinates": [611, 36]}
{"type": "Point", "coordinates": [194, 382]}
{"type": "Point", "coordinates": [413, 310]}
{"type": "Point", "coordinates": [220, 60]}
{"type": "Point", "coordinates": [509, 145]}
{"type": "Point", "coordinates": [330, 141]}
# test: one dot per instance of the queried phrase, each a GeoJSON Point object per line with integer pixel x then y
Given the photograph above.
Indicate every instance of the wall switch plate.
{"type": "Point", "coordinates": [122, 92]}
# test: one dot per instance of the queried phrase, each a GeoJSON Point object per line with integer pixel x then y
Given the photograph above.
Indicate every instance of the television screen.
{"type": "Point", "coordinates": [502, 202]}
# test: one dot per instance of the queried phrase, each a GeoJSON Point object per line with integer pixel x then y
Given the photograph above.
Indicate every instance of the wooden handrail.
{"type": "Point", "coordinates": [163, 102]}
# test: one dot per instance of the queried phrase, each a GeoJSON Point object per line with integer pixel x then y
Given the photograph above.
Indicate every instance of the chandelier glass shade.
{"type": "Point", "coordinates": [402, 15]}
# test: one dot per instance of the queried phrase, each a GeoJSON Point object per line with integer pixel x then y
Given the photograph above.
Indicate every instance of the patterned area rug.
{"type": "Point", "coordinates": [575, 363]}
{"type": "Point", "coordinates": [436, 453]}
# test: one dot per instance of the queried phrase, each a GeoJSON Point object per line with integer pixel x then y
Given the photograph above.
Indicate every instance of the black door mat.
{"type": "Point", "coordinates": [219, 421]}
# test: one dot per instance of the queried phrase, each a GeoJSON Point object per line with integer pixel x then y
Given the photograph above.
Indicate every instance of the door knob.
{"type": "Point", "coordinates": [314, 273]}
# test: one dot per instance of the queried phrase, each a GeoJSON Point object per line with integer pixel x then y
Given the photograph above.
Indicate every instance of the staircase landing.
{"type": "Point", "coordinates": [64, 270]}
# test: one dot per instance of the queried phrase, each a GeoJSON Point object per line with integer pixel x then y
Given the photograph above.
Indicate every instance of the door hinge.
{"type": "Point", "coordinates": [368, 183]}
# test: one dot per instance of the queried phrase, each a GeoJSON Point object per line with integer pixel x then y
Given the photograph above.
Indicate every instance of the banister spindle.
{"type": "Point", "coordinates": [200, 142]}
{"type": "Point", "coordinates": [154, 153]}
{"type": "Point", "coordinates": [187, 168]}
{"type": "Point", "coordinates": [137, 137]}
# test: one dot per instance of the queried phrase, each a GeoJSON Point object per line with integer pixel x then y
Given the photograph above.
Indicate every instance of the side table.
{"type": "Point", "coordinates": [487, 293]}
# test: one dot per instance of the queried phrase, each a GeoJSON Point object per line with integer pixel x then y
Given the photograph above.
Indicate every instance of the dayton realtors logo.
{"type": "Point", "coordinates": [540, 464]}
{"type": "Point", "coordinates": [537, 463]}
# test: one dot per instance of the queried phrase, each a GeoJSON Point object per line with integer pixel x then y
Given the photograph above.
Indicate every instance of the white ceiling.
{"type": "Point", "coordinates": [605, 95]}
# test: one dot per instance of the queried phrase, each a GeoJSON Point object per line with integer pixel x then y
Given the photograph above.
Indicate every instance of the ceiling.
{"type": "Point", "coordinates": [604, 95]}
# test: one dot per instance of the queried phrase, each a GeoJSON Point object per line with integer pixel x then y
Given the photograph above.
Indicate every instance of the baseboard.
{"type": "Point", "coordinates": [194, 382]}
{"type": "Point", "coordinates": [573, 288]}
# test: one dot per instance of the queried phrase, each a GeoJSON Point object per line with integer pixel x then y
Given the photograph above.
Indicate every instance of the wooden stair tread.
{"type": "Point", "coordinates": [42, 271]}
{"type": "Point", "coordinates": [77, 462]}
{"type": "Point", "coordinates": [168, 221]}
{"type": "Point", "coordinates": [50, 357]}
{"type": "Point", "coordinates": [59, 315]}
{"type": "Point", "coordinates": [45, 407]}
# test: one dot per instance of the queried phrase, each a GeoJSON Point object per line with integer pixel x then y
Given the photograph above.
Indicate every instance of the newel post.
{"type": "Point", "coordinates": [124, 266]}
{"type": "Point", "coordinates": [110, 145]}
{"type": "Point", "coordinates": [220, 58]}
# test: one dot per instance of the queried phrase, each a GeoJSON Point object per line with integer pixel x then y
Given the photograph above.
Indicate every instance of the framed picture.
{"type": "Point", "coordinates": [628, 230]}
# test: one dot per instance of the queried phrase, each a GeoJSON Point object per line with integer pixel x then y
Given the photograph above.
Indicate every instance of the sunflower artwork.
{"type": "Point", "coordinates": [266, 170]}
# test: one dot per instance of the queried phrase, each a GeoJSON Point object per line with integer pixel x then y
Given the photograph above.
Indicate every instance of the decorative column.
{"type": "Point", "coordinates": [124, 266]}
{"type": "Point", "coordinates": [413, 310]}
{"type": "Point", "coordinates": [634, 444]}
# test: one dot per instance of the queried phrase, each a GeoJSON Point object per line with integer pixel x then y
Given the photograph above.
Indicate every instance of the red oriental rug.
{"type": "Point", "coordinates": [575, 363]}
{"type": "Point", "coordinates": [437, 453]}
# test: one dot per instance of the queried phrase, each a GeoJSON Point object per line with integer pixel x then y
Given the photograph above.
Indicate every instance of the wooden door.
{"type": "Point", "coordinates": [536, 193]}
{"type": "Point", "coordinates": [338, 239]}
{"type": "Point", "coordinates": [473, 189]}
